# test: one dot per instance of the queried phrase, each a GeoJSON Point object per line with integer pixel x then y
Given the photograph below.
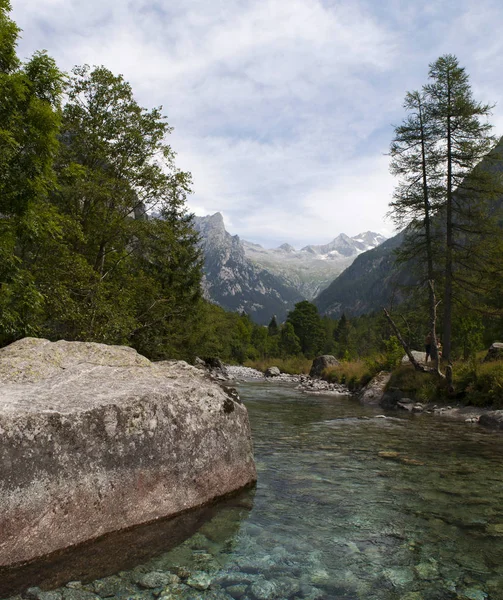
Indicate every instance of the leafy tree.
{"type": "Point", "coordinates": [308, 328]}
{"type": "Point", "coordinates": [29, 123]}
{"type": "Point", "coordinates": [130, 270]}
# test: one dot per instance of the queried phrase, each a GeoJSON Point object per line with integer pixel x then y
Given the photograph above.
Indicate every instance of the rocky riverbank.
{"type": "Point", "coordinates": [305, 383]}
{"type": "Point", "coordinates": [375, 394]}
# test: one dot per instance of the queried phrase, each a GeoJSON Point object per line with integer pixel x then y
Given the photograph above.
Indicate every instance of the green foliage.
{"type": "Point", "coordinates": [273, 328]}
{"type": "Point", "coordinates": [393, 353]}
{"type": "Point", "coordinates": [444, 197]}
{"type": "Point", "coordinates": [480, 384]}
{"type": "Point", "coordinates": [306, 323]}
{"type": "Point", "coordinates": [289, 344]}
{"type": "Point", "coordinates": [416, 385]}
{"type": "Point", "coordinates": [29, 124]}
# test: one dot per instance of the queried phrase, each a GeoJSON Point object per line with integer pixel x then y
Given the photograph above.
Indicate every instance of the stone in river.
{"type": "Point", "coordinates": [97, 438]}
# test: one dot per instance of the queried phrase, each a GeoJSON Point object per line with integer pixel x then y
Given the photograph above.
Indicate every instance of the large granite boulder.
{"type": "Point", "coordinates": [96, 438]}
{"type": "Point", "coordinates": [492, 419]}
{"type": "Point", "coordinates": [495, 352]}
{"type": "Point", "coordinates": [320, 363]}
{"type": "Point", "coordinates": [373, 392]}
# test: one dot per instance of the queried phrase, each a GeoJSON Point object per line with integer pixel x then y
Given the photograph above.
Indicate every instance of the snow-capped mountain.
{"type": "Point", "coordinates": [312, 268]}
{"type": "Point", "coordinates": [241, 275]}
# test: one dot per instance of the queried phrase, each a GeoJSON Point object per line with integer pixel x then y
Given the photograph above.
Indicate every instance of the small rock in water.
{"type": "Point", "coordinates": [264, 590]}
{"type": "Point", "coordinates": [112, 586]}
{"type": "Point", "coordinates": [319, 576]}
{"type": "Point", "coordinates": [400, 577]}
{"type": "Point", "coordinates": [35, 593]}
{"type": "Point", "coordinates": [472, 594]}
{"type": "Point", "coordinates": [177, 591]}
{"type": "Point", "coordinates": [181, 571]}
{"type": "Point", "coordinates": [237, 591]}
{"type": "Point", "coordinates": [426, 570]}
{"type": "Point", "coordinates": [199, 580]}
{"type": "Point", "coordinates": [157, 579]}
{"type": "Point", "coordinates": [76, 594]}
{"type": "Point", "coordinates": [388, 454]}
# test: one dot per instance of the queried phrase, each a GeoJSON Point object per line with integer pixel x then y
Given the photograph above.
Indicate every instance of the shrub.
{"type": "Point", "coordinates": [416, 385]}
{"type": "Point", "coordinates": [481, 384]}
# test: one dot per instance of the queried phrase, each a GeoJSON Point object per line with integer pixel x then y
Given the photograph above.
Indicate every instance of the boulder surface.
{"type": "Point", "coordinates": [495, 352]}
{"type": "Point", "coordinates": [272, 372]}
{"type": "Point", "coordinates": [320, 363]}
{"type": "Point", "coordinates": [373, 392]}
{"type": "Point", "coordinates": [96, 438]}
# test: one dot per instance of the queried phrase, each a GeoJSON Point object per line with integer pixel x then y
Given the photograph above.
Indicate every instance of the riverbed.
{"type": "Point", "coordinates": [350, 503]}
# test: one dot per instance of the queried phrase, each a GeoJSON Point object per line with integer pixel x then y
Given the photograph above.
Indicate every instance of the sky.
{"type": "Point", "coordinates": [283, 110]}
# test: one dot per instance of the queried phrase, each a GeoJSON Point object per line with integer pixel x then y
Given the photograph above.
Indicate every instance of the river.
{"type": "Point", "coordinates": [349, 504]}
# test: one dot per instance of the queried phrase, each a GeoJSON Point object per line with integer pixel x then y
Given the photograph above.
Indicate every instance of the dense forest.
{"type": "Point", "coordinates": [96, 243]}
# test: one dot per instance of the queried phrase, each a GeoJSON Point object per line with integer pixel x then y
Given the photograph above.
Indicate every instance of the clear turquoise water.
{"type": "Point", "coordinates": [348, 505]}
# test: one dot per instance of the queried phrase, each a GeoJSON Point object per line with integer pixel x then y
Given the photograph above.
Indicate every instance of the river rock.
{"type": "Point", "coordinates": [96, 438]}
{"type": "Point", "coordinates": [372, 393]}
{"type": "Point", "coordinates": [272, 372]}
{"type": "Point", "coordinates": [495, 352]}
{"type": "Point", "coordinates": [157, 579]}
{"type": "Point", "coordinates": [492, 419]}
{"type": "Point", "coordinates": [320, 363]}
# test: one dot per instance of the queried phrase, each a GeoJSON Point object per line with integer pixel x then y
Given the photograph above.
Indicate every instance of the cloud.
{"type": "Point", "coordinates": [282, 109]}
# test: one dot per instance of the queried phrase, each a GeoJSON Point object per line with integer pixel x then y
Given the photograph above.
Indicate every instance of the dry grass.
{"type": "Point", "coordinates": [354, 374]}
{"type": "Point", "coordinates": [293, 366]}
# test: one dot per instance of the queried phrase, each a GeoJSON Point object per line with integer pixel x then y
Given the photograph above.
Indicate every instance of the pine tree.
{"type": "Point", "coordinates": [463, 140]}
{"type": "Point", "coordinates": [441, 198]}
{"type": "Point", "coordinates": [308, 328]}
{"type": "Point", "coordinates": [273, 328]}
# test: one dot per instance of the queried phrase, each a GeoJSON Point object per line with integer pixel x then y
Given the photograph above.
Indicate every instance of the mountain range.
{"type": "Point", "coordinates": [243, 276]}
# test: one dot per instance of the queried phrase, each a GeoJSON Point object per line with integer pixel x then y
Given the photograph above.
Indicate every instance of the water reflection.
{"type": "Point", "coordinates": [348, 505]}
{"type": "Point", "coordinates": [146, 545]}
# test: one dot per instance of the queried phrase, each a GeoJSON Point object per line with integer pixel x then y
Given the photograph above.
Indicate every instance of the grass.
{"type": "Point", "coordinates": [293, 366]}
{"type": "Point", "coordinates": [419, 386]}
{"type": "Point", "coordinates": [475, 383]}
{"type": "Point", "coordinates": [354, 374]}
{"type": "Point", "coordinates": [480, 384]}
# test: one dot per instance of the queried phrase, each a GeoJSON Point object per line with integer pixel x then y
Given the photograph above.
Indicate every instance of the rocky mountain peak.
{"type": "Point", "coordinates": [241, 275]}
{"type": "Point", "coordinates": [286, 248]}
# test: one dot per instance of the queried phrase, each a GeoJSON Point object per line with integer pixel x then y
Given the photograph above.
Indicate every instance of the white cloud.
{"type": "Point", "coordinates": [282, 108]}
